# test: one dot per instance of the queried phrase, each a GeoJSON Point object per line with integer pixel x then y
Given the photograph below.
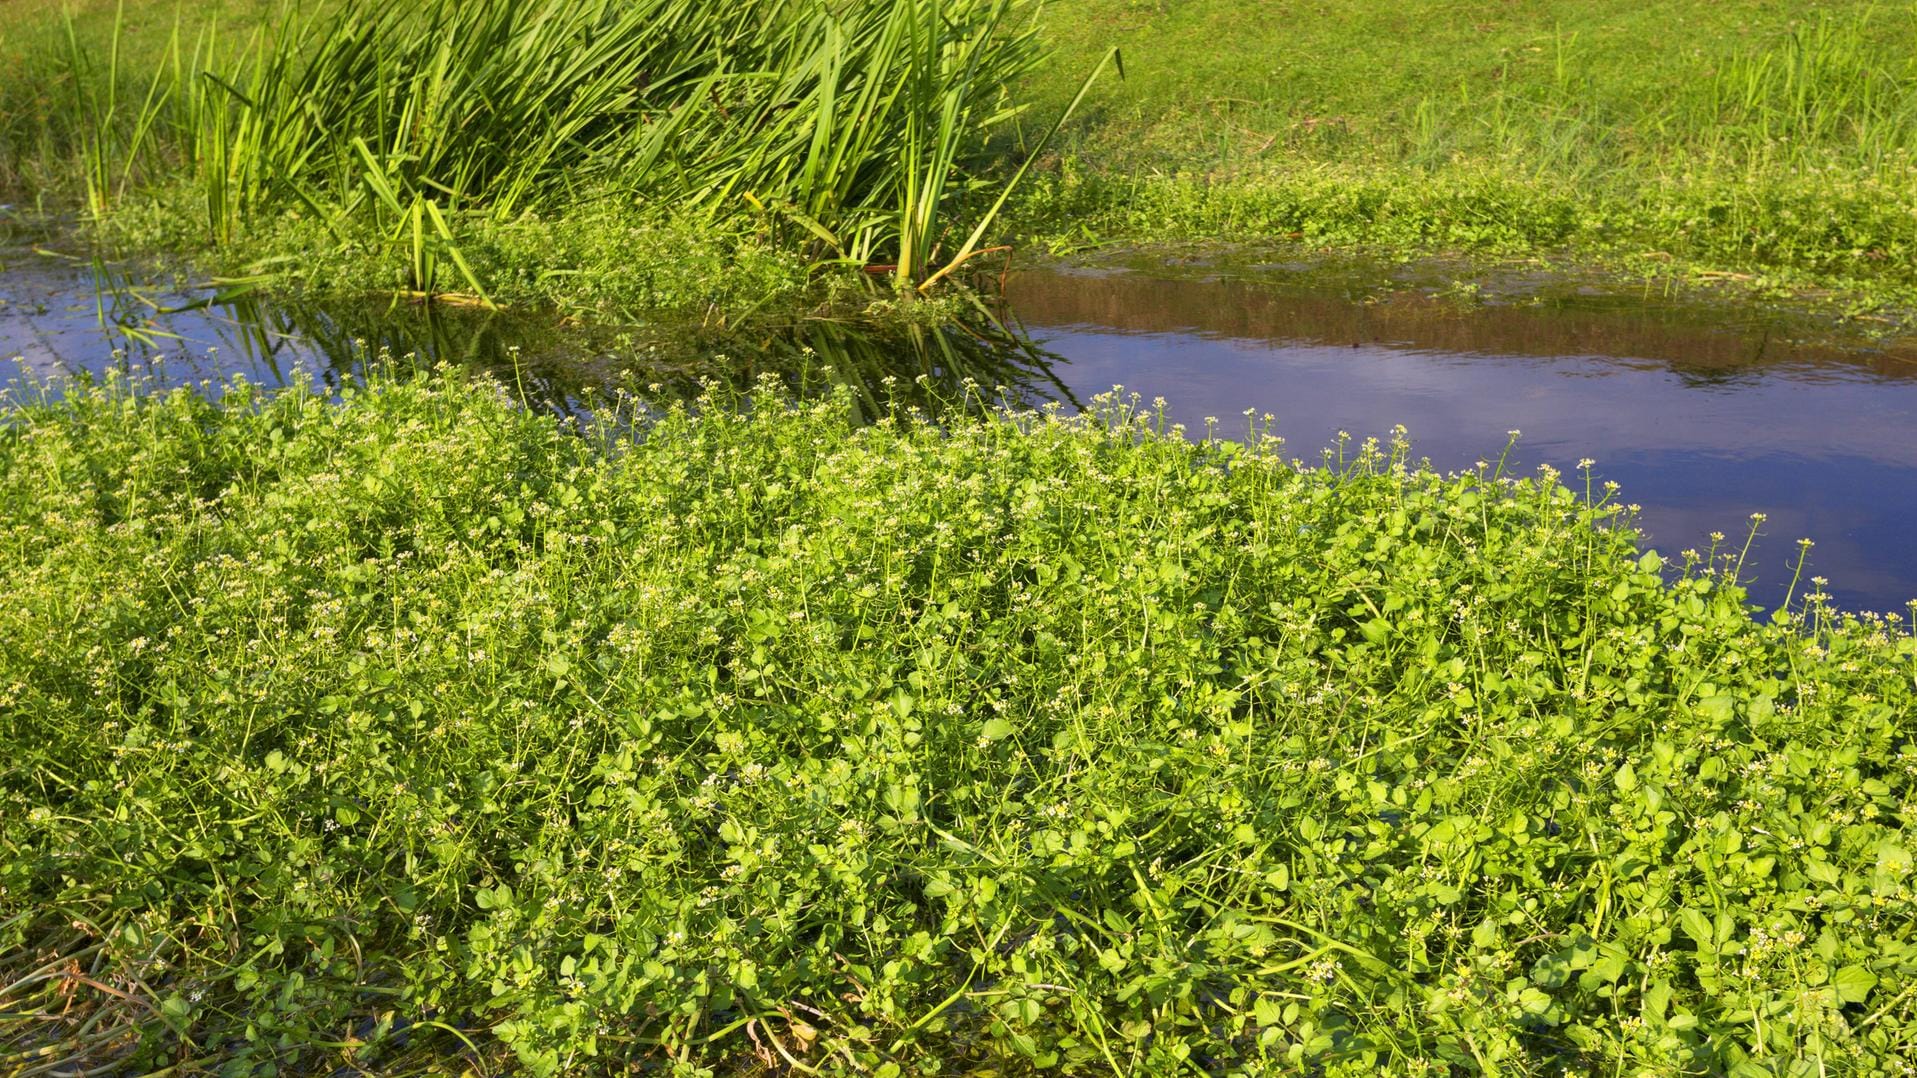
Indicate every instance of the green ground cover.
{"type": "Point", "coordinates": [418, 730]}
{"type": "Point", "coordinates": [1751, 136]}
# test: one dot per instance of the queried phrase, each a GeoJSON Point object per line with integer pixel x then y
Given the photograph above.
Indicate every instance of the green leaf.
{"type": "Point", "coordinates": [1853, 983]}
{"type": "Point", "coordinates": [996, 730]}
{"type": "Point", "coordinates": [1698, 926]}
{"type": "Point", "coordinates": [1626, 778]}
{"type": "Point", "coordinates": [1716, 708]}
{"type": "Point", "coordinates": [1656, 999]}
{"type": "Point", "coordinates": [1892, 858]}
{"type": "Point", "coordinates": [1534, 1001]}
{"type": "Point", "coordinates": [1551, 970]}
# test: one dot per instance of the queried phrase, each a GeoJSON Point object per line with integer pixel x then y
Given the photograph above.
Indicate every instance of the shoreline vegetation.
{"type": "Point", "coordinates": [540, 150]}
{"type": "Point", "coordinates": [418, 730]}
{"type": "Point", "coordinates": [1749, 141]}
{"type": "Point", "coordinates": [405, 727]}
{"type": "Point", "coordinates": [1770, 150]}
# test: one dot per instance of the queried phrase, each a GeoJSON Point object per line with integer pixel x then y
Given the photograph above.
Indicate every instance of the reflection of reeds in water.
{"type": "Point", "coordinates": [962, 360]}
{"type": "Point", "coordinates": [928, 367]}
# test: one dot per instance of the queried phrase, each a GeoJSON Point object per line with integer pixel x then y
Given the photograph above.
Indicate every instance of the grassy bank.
{"type": "Point", "coordinates": [567, 138]}
{"type": "Point", "coordinates": [1749, 136]}
{"type": "Point", "coordinates": [1771, 142]}
{"type": "Point", "coordinates": [417, 731]}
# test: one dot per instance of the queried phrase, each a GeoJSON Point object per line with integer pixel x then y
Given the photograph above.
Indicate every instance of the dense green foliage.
{"type": "Point", "coordinates": [420, 724]}
{"type": "Point", "coordinates": [1787, 235]}
{"type": "Point", "coordinates": [1761, 138]}
{"type": "Point", "coordinates": [845, 129]}
{"type": "Point", "coordinates": [1768, 136]}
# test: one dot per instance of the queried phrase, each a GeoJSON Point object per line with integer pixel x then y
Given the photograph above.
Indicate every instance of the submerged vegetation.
{"type": "Point", "coordinates": [419, 727]}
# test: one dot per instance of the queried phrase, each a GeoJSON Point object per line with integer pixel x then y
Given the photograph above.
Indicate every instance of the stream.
{"type": "Point", "coordinates": [1703, 413]}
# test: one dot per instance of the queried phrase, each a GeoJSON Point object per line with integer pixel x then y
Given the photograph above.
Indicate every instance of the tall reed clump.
{"type": "Point", "coordinates": [418, 733]}
{"type": "Point", "coordinates": [852, 127]}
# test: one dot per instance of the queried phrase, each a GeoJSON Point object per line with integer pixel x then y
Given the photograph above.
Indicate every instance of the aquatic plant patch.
{"type": "Point", "coordinates": [421, 730]}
